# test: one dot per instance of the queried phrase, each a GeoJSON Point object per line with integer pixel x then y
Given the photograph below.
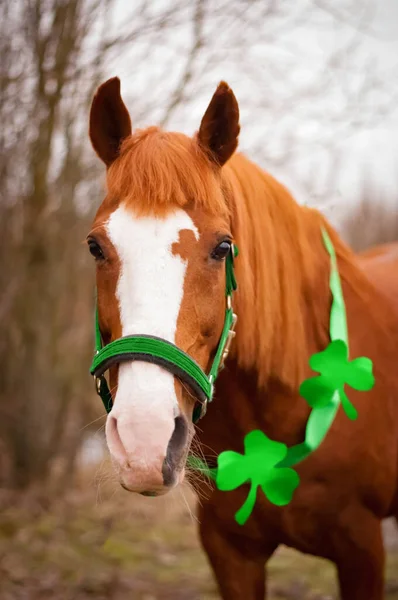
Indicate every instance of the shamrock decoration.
{"type": "Point", "coordinates": [336, 370]}
{"type": "Point", "coordinates": [259, 466]}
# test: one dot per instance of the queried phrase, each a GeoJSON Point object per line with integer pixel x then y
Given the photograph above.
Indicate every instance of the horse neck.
{"type": "Point", "coordinates": [283, 297]}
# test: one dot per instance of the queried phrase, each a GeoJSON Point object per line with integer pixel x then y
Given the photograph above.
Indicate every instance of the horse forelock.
{"type": "Point", "coordinates": [158, 171]}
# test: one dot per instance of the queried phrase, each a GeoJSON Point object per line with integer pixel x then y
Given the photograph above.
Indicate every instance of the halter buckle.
{"type": "Point", "coordinates": [231, 335]}
{"type": "Point", "coordinates": [97, 383]}
{"type": "Point", "coordinates": [203, 409]}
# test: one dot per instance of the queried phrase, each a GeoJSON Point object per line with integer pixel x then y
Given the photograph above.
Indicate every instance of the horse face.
{"type": "Point", "coordinates": [160, 272]}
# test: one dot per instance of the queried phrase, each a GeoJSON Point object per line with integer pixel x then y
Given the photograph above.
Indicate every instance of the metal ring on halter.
{"type": "Point", "coordinates": [203, 409]}
{"type": "Point", "coordinates": [97, 383]}
{"type": "Point", "coordinates": [231, 335]}
{"type": "Point", "coordinates": [205, 402]}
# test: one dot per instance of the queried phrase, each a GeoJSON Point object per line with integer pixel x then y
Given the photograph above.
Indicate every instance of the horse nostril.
{"type": "Point", "coordinates": [175, 450]}
{"type": "Point", "coordinates": [114, 440]}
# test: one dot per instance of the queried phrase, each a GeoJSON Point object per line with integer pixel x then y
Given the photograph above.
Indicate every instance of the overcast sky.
{"type": "Point", "coordinates": [267, 73]}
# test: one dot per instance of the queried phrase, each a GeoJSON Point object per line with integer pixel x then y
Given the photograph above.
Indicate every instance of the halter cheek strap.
{"type": "Point", "coordinates": [168, 356]}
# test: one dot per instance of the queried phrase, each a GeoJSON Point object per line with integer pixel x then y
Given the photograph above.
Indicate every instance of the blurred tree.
{"type": "Point", "coordinates": [54, 54]}
{"type": "Point", "coordinates": [42, 347]}
{"type": "Point", "coordinates": [309, 76]}
{"type": "Point", "coordinates": [372, 221]}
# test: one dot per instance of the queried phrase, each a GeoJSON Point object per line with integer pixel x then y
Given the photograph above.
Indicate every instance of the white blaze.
{"type": "Point", "coordinates": [149, 292]}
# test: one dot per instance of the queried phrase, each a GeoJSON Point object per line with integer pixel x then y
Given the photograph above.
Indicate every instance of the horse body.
{"type": "Point", "coordinates": [381, 265]}
{"type": "Point", "coordinates": [283, 304]}
{"type": "Point", "coordinates": [351, 482]}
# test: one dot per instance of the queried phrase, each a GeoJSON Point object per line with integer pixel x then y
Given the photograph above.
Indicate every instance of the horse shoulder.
{"type": "Point", "coordinates": [380, 264]}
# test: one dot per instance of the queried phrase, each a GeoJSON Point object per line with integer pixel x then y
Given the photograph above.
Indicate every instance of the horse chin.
{"type": "Point", "coordinates": [153, 492]}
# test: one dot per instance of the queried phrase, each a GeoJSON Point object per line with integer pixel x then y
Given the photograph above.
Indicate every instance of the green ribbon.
{"type": "Point", "coordinates": [267, 463]}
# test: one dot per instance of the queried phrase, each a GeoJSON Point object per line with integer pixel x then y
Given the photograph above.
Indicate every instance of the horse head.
{"type": "Point", "coordinates": [160, 239]}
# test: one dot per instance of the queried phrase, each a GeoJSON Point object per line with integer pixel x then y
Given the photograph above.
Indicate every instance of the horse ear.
{"type": "Point", "coordinates": [109, 121]}
{"type": "Point", "coordinates": [219, 129]}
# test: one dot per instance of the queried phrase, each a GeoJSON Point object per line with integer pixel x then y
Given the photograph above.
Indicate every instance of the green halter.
{"type": "Point", "coordinates": [163, 353]}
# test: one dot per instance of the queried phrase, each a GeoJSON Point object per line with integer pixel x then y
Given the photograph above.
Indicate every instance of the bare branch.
{"type": "Point", "coordinates": [187, 74]}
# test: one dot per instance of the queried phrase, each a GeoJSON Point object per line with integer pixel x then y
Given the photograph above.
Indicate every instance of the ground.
{"type": "Point", "coordinates": [105, 544]}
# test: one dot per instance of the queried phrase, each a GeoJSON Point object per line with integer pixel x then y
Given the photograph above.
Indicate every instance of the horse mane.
{"type": "Point", "coordinates": [277, 272]}
{"type": "Point", "coordinates": [283, 267]}
{"type": "Point", "coordinates": [283, 274]}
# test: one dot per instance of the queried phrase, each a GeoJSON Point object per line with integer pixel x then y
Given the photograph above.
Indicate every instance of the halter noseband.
{"type": "Point", "coordinates": [165, 354]}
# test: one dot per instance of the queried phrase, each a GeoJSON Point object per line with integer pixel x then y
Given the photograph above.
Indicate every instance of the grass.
{"type": "Point", "coordinates": [122, 547]}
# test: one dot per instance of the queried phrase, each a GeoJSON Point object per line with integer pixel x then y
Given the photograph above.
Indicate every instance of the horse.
{"type": "Point", "coordinates": [174, 208]}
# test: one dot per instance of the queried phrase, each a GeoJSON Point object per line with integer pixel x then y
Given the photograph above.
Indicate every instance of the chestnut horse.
{"type": "Point", "coordinates": [160, 238]}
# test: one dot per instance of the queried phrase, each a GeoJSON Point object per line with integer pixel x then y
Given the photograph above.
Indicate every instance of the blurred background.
{"type": "Point", "coordinates": [317, 83]}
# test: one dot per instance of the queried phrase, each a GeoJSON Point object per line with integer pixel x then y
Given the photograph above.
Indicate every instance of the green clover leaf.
{"type": "Point", "coordinates": [335, 371]}
{"type": "Point", "coordinates": [259, 466]}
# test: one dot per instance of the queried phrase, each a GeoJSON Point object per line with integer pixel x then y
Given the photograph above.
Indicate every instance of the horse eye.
{"type": "Point", "coordinates": [221, 251]}
{"type": "Point", "coordinates": [95, 249]}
